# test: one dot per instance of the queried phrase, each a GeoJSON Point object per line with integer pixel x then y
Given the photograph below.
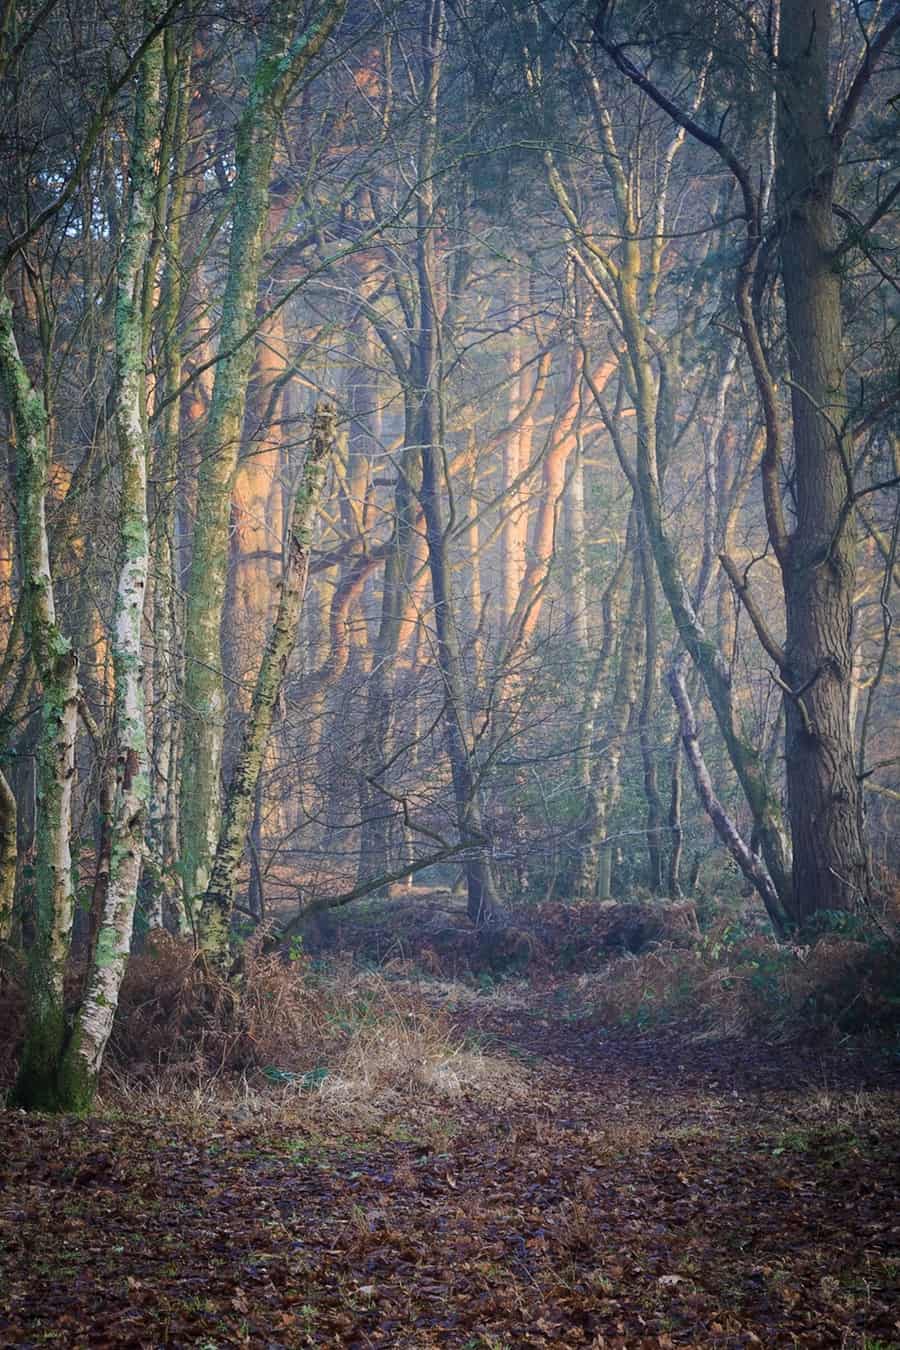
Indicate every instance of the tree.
{"type": "Point", "coordinates": [285, 55]}
{"type": "Point", "coordinates": [817, 557]}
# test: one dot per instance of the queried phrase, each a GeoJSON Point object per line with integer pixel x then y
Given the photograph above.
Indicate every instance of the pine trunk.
{"type": "Point", "coordinates": [819, 573]}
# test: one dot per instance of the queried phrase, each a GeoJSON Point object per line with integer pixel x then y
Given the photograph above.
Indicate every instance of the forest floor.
{"type": "Point", "coordinates": [593, 1189]}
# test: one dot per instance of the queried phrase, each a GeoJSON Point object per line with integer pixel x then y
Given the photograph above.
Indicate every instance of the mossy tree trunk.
{"type": "Point", "coordinates": [218, 902]}
{"type": "Point", "coordinates": [36, 1086]}
{"type": "Point", "coordinates": [284, 58]}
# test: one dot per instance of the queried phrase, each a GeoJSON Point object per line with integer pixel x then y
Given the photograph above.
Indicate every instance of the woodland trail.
{"type": "Point", "coordinates": [612, 1192]}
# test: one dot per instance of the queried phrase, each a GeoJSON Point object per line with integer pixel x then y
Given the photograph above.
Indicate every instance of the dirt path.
{"type": "Point", "coordinates": [626, 1193]}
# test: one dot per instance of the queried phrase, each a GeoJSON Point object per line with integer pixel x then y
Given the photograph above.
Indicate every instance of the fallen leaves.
{"type": "Point", "coordinates": [637, 1196]}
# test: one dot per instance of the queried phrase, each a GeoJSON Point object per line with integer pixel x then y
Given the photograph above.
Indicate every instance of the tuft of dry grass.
{"type": "Point", "coordinates": [343, 1036]}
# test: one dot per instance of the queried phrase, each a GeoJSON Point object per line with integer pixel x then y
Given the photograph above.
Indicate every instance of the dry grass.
{"type": "Point", "coordinates": [341, 1038]}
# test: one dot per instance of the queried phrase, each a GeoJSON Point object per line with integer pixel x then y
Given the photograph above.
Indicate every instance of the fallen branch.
{"type": "Point", "coordinates": [324, 902]}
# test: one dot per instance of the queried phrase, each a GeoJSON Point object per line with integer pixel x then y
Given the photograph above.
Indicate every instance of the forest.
{"type": "Point", "coordinates": [449, 704]}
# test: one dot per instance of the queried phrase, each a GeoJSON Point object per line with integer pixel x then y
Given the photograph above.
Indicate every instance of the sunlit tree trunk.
{"type": "Point", "coordinates": [8, 854]}
{"type": "Point", "coordinates": [518, 446]}
{"type": "Point", "coordinates": [257, 515]}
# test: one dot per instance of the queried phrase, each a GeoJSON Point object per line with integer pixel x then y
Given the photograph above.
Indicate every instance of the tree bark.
{"type": "Point", "coordinates": [283, 60]}
{"type": "Point", "coordinates": [80, 1067]}
{"type": "Point", "coordinates": [830, 870]}
{"type": "Point", "coordinates": [36, 1086]}
{"type": "Point", "coordinates": [218, 902]}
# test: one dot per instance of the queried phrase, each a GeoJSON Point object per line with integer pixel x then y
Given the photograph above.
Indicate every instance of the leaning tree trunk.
{"type": "Point", "coordinates": [80, 1067]}
{"type": "Point", "coordinates": [36, 1086]}
{"type": "Point", "coordinates": [819, 572]}
{"type": "Point", "coordinates": [283, 60]}
{"type": "Point", "coordinates": [218, 902]}
{"type": "Point", "coordinates": [751, 865]}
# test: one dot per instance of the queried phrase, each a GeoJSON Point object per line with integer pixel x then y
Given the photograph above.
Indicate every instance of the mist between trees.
{"type": "Point", "coordinates": [453, 441]}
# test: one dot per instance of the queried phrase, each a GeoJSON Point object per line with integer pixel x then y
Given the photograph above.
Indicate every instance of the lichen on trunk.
{"type": "Point", "coordinates": [215, 912]}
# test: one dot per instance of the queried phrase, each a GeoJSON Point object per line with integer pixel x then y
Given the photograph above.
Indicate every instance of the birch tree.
{"type": "Point", "coordinates": [56, 666]}
{"type": "Point", "coordinates": [80, 1068]}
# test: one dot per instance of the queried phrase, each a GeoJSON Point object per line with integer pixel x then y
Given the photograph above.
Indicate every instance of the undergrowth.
{"type": "Point", "coordinates": [295, 1025]}
{"type": "Point", "coordinates": [732, 984]}
{"type": "Point", "coordinates": [341, 1031]}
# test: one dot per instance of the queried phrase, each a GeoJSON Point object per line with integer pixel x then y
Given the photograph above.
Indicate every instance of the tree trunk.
{"type": "Point", "coordinates": [819, 572]}
{"type": "Point", "coordinates": [218, 902]}
{"type": "Point", "coordinates": [283, 59]}
{"type": "Point", "coordinates": [162, 810]}
{"type": "Point", "coordinates": [483, 902]}
{"type": "Point", "coordinates": [648, 708]}
{"type": "Point", "coordinates": [83, 1057]}
{"type": "Point", "coordinates": [36, 1086]}
{"type": "Point", "coordinates": [746, 859]}
{"type": "Point", "coordinates": [594, 857]}
{"type": "Point", "coordinates": [8, 855]}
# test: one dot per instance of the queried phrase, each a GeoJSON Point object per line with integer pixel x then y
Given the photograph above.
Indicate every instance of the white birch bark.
{"type": "Point", "coordinates": [84, 1054]}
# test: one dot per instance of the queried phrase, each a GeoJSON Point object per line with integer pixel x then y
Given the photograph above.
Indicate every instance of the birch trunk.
{"type": "Point", "coordinates": [218, 902]}
{"type": "Point", "coordinates": [166, 665]}
{"type": "Point", "coordinates": [80, 1067]}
